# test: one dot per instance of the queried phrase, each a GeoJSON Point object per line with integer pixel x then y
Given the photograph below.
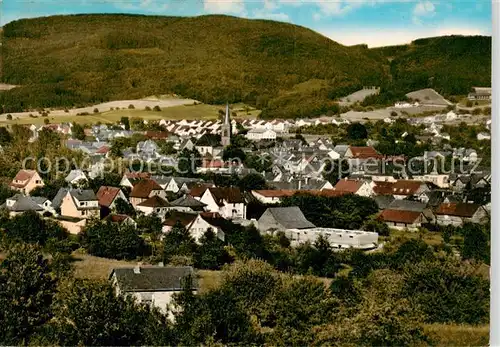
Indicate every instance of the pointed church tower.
{"type": "Point", "coordinates": [226, 129]}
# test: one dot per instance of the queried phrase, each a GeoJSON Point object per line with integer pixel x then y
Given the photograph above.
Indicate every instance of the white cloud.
{"type": "Point", "coordinates": [423, 9]}
{"type": "Point", "coordinates": [378, 38]}
{"type": "Point", "coordinates": [225, 7]}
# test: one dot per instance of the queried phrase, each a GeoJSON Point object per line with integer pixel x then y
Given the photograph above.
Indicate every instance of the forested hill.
{"type": "Point", "coordinates": [284, 69]}
{"type": "Point", "coordinates": [449, 64]}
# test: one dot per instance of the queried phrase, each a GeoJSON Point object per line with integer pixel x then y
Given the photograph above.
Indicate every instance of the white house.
{"type": "Point", "coordinates": [76, 177]}
{"type": "Point", "coordinates": [261, 134]}
{"type": "Point", "coordinates": [152, 285]}
{"type": "Point", "coordinates": [338, 238]}
{"type": "Point", "coordinates": [205, 221]}
{"type": "Point", "coordinates": [228, 202]}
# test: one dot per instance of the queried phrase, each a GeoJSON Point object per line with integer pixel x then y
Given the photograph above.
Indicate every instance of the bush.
{"type": "Point", "coordinates": [46, 121]}
{"type": "Point", "coordinates": [394, 114]}
{"type": "Point", "coordinates": [147, 108]}
{"type": "Point", "coordinates": [158, 109]}
{"type": "Point", "coordinates": [9, 117]}
{"type": "Point", "coordinates": [96, 110]}
{"type": "Point", "coordinates": [131, 107]}
{"type": "Point", "coordinates": [469, 103]}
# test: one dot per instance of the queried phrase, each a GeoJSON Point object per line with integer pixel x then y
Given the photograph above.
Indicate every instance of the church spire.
{"type": "Point", "coordinates": [226, 119]}
{"type": "Point", "coordinates": [226, 128]}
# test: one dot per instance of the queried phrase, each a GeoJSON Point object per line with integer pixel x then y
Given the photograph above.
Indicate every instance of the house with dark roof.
{"type": "Point", "coordinates": [282, 219]}
{"type": "Point", "coordinates": [80, 203]}
{"type": "Point", "coordinates": [155, 204]}
{"type": "Point", "coordinates": [25, 181]}
{"type": "Point", "coordinates": [208, 220]}
{"type": "Point", "coordinates": [130, 178]}
{"type": "Point", "coordinates": [228, 202]}
{"type": "Point", "coordinates": [20, 203]}
{"type": "Point", "coordinates": [145, 189]}
{"type": "Point", "coordinates": [457, 214]}
{"type": "Point", "coordinates": [152, 285]}
{"type": "Point", "coordinates": [184, 218]}
{"type": "Point", "coordinates": [187, 203]}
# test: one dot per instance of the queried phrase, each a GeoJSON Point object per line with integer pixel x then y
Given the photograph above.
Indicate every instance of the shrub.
{"type": "Point", "coordinates": [9, 117]}
{"type": "Point", "coordinates": [131, 107]}
{"type": "Point", "coordinates": [46, 121]}
{"type": "Point", "coordinates": [157, 108]}
{"type": "Point", "coordinates": [96, 110]}
{"type": "Point", "coordinates": [147, 108]}
{"type": "Point", "coordinates": [394, 114]}
{"type": "Point", "coordinates": [469, 103]}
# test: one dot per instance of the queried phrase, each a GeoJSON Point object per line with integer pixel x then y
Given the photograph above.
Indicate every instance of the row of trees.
{"type": "Point", "coordinates": [252, 304]}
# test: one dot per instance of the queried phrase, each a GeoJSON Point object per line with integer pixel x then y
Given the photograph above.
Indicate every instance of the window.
{"type": "Point", "coordinates": [82, 203]}
{"type": "Point", "coordinates": [350, 236]}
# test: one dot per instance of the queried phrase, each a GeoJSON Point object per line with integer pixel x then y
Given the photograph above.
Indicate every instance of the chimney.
{"type": "Point", "coordinates": [137, 269]}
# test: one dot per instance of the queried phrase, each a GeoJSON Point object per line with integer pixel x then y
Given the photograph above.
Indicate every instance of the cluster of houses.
{"type": "Point", "coordinates": [406, 202]}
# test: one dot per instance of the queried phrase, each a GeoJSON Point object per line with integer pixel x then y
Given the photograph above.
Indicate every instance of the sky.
{"type": "Point", "coordinates": [372, 22]}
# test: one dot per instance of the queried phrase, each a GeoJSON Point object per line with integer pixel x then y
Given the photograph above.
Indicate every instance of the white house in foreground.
{"type": "Point", "coordinates": [152, 285]}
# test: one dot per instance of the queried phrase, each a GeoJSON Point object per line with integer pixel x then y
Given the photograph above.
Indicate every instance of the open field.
{"type": "Point", "coordinates": [458, 335]}
{"type": "Point", "coordinates": [358, 96]}
{"type": "Point", "coordinates": [428, 97]}
{"type": "Point", "coordinates": [106, 115]}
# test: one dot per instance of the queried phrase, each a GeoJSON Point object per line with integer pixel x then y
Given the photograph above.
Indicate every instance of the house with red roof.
{"type": "Point", "coordinates": [357, 187]}
{"type": "Point", "coordinates": [130, 178]}
{"type": "Point", "coordinates": [145, 189]}
{"type": "Point", "coordinates": [108, 196]}
{"type": "Point", "coordinates": [401, 220]}
{"type": "Point", "coordinates": [26, 180]}
{"type": "Point", "coordinates": [457, 214]}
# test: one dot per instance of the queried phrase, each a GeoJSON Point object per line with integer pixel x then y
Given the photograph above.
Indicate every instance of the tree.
{"type": "Point", "coordinates": [157, 108]}
{"type": "Point", "coordinates": [178, 241]}
{"type": "Point", "coordinates": [261, 163]}
{"type": "Point", "coordinates": [476, 243]}
{"type": "Point", "coordinates": [96, 110]}
{"type": "Point", "coordinates": [30, 227]}
{"type": "Point", "coordinates": [5, 136]}
{"type": "Point", "coordinates": [46, 121]}
{"type": "Point", "coordinates": [124, 207]}
{"type": "Point", "coordinates": [115, 320]}
{"type": "Point", "coordinates": [9, 117]}
{"type": "Point", "coordinates": [233, 153]}
{"type": "Point", "coordinates": [27, 288]}
{"type": "Point", "coordinates": [356, 131]}
{"type": "Point", "coordinates": [377, 226]}
{"type": "Point", "coordinates": [211, 254]}
{"type": "Point", "coordinates": [252, 181]}
{"type": "Point", "coordinates": [189, 161]}
{"type": "Point", "coordinates": [111, 240]}
{"type": "Point", "coordinates": [335, 170]}
{"type": "Point", "coordinates": [125, 120]}
{"type": "Point", "coordinates": [78, 131]}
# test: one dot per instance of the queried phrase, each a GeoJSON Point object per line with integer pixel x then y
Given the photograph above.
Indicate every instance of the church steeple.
{"type": "Point", "coordinates": [226, 128]}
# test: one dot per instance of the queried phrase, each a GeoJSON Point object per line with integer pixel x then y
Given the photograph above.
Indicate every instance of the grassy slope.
{"type": "Point", "coordinates": [92, 58]}
{"type": "Point", "coordinates": [201, 111]}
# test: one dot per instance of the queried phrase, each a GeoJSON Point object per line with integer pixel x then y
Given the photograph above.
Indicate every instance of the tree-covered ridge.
{"type": "Point", "coordinates": [283, 69]}
{"type": "Point", "coordinates": [70, 60]}
{"type": "Point", "coordinates": [449, 64]}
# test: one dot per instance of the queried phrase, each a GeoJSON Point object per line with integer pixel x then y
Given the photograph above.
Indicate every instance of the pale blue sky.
{"type": "Point", "coordinates": [374, 22]}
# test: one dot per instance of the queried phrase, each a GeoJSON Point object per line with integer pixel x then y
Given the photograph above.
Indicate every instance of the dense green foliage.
{"type": "Point", "coordinates": [452, 65]}
{"type": "Point", "coordinates": [126, 56]}
{"type": "Point", "coordinates": [283, 69]}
